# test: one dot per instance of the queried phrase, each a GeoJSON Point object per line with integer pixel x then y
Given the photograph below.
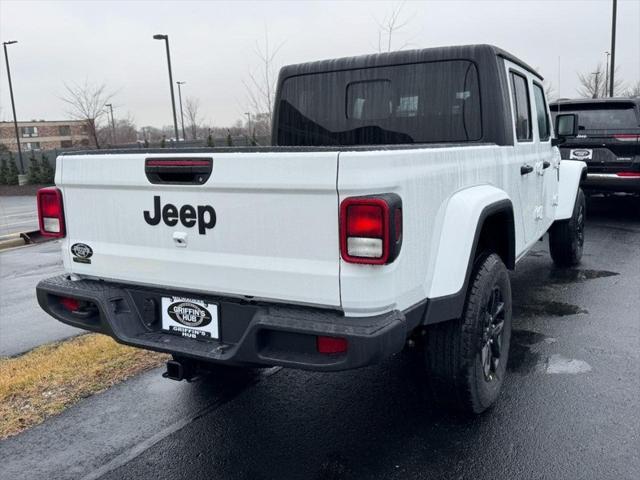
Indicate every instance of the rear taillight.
{"type": "Point", "coordinates": [627, 137]}
{"type": "Point", "coordinates": [371, 229]}
{"type": "Point", "coordinates": [628, 174]}
{"type": "Point", "coordinates": [50, 212]}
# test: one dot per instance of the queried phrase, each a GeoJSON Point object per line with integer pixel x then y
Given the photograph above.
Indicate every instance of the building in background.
{"type": "Point", "coordinates": [45, 135]}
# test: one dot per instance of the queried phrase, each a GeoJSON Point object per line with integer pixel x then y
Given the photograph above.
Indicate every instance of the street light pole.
{"type": "Point", "coordinates": [13, 103]}
{"type": "Point", "coordinates": [173, 99]}
{"type": "Point", "coordinates": [184, 136]}
{"type": "Point", "coordinates": [113, 123]}
{"type": "Point", "coordinates": [613, 47]}
{"type": "Point", "coordinates": [606, 75]}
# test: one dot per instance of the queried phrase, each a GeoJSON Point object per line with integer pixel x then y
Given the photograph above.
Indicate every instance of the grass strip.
{"type": "Point", "coordinates": [48, 379]}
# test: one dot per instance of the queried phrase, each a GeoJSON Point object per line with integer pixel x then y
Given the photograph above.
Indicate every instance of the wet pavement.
{"type": "Point", "coordinates": [569, 408]}
{"type": "Point", "coordinates": [18, 214]}
{"type": "Point", "coordinates": [23, 324]}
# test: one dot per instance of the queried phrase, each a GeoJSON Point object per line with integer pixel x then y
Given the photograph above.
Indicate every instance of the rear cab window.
{"type": "Point", "coordinates": [428, 102]}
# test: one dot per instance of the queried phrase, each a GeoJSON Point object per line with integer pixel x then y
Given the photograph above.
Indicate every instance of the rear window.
{"type": "Point", "coordinates": [419, 103]}
{"type": "Point", "coordinates": [602, 116]}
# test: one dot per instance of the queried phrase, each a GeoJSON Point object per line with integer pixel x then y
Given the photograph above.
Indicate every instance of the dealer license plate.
{"type": "Point", "coordinates": [190, 318]}
{"type": "Point", "coordinates": [581, 154]}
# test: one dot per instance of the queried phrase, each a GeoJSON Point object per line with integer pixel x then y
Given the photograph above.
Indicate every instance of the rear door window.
{"type": "Point", "coordinates": [541, 113]}
{"type": "Point", "coordinates": [522, 107]}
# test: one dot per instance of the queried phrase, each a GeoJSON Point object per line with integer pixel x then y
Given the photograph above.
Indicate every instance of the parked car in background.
{"type": "Point", "coordinates": [608, 140]}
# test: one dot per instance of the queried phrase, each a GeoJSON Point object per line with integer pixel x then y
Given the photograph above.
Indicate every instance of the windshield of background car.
{"type": "Point", "coordinates": [601, 116]}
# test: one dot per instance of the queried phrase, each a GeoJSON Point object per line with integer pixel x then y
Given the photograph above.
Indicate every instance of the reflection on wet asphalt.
{"type": "Point", "coordinates": [572, 275]}
{"type": "Point", "coordinates": [524, 356]}
{"type": "Point", "coordinates": [541, 307]}
{"type": "Point", "coordinates": [568, 410]}
{"type": "Point", "coordinates": [535, 299]}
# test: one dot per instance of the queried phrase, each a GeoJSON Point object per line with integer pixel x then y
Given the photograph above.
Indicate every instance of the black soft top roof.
{"type": "Point", "coordinates": [478, 53]}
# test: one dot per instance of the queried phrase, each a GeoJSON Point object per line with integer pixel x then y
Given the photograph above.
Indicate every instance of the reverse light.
{"type": "Point", "coordinates": [50, 212]}
{"type": "Point", "coordinates": [371, 229]}
{"type": "Point", "coordinates": [328, 345]}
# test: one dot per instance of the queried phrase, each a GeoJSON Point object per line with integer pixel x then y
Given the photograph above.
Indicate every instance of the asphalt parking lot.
{"type": "Point", "coordinates": [23, 324]}
{"type": "Point", "coordinates": [568, 410]}
{"type": "Point", "coordinates": [18, 214]}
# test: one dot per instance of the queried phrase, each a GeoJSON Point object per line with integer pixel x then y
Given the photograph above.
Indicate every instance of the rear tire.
{"type": "Point", "coordinates": [466, 358]}
{"type": "Point", "coordinates": [566, 237]}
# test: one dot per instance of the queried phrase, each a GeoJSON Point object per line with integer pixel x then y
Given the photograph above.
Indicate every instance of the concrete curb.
{"type": "Point", "coordinates": [19, 239]}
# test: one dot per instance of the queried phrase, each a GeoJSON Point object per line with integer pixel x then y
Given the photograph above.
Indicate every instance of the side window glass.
{"type": "Point", "coordinates": [541, 113]}
{"type": "Point", "coordinates": [522, 107]}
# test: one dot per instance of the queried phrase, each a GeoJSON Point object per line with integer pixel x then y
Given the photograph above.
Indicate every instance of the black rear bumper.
{"type": "Point", "coordinates": [609, 182]}
{"type": "Point", "coordinates": [251, 333]}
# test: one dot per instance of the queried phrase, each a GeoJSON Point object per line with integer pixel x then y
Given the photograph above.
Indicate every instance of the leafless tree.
{"type": "Point", "coordinates": [259, 128]}
{"type": "Point", "coordinates": [87, 102]}
{"type": "Point", "coordinates": [392, 24]}
{"type": "Point", "coordinates": [126, 131]}
{"type": "Point", "coordinates": [192, 111]}
{"type": "Point", "coordinates": [593, 84]}
{"type": "Point", "coordinates": [633, 90]}
{"type": "Point", "coordinates": [261, 86]}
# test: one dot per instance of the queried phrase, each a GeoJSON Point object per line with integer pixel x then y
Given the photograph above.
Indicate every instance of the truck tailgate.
{"type": "Point", "coordinates": [275, 235]}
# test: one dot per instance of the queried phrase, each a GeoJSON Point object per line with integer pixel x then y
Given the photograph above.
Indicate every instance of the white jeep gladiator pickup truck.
{"type": "Point", "coordinates": [400, 190]}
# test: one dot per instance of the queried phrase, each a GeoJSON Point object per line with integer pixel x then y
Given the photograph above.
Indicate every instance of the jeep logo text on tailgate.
{"type": "Point", "coordinates": [188, 215]}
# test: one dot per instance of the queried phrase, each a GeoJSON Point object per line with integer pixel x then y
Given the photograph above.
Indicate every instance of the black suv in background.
{"type": "Point", "coordinates": [608, 140]}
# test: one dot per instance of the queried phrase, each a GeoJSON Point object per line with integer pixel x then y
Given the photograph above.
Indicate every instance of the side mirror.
{"type": "Point", "coordinates": [566, 126]}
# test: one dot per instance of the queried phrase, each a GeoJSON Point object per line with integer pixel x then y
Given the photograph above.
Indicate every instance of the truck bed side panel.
{"type": "Point", "coordinates": [425, 180]}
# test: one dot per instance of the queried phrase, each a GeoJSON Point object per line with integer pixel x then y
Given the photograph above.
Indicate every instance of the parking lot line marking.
{"type": "Point", "coordinates": [20, 214]}
{"type": "Point", "coordinates": [18, 223]}
{"type": "Point", "coordinates": [141, 447]}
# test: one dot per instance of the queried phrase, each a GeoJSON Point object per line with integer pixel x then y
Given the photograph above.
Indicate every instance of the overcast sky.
{"type": "Point", "coordinates": [213, 43]}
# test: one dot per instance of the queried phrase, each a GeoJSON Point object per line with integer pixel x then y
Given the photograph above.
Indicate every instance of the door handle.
{"type": "Point", "coordinates": [546, 164]}
{"type": "Point", "coordinates": [526, 169]}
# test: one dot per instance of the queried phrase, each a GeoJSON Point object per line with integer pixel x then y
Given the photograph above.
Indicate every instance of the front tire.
{"type": "Point", "coordinates": [566, 237]}
{"type": "Point", "coordinates": [466, 358]}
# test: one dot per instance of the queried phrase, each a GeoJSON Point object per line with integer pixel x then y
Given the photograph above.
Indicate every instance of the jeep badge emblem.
{"type": "Point", "coordinates": [189, 314]}
{"type": "Point", "coordinates": [81, 250]}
